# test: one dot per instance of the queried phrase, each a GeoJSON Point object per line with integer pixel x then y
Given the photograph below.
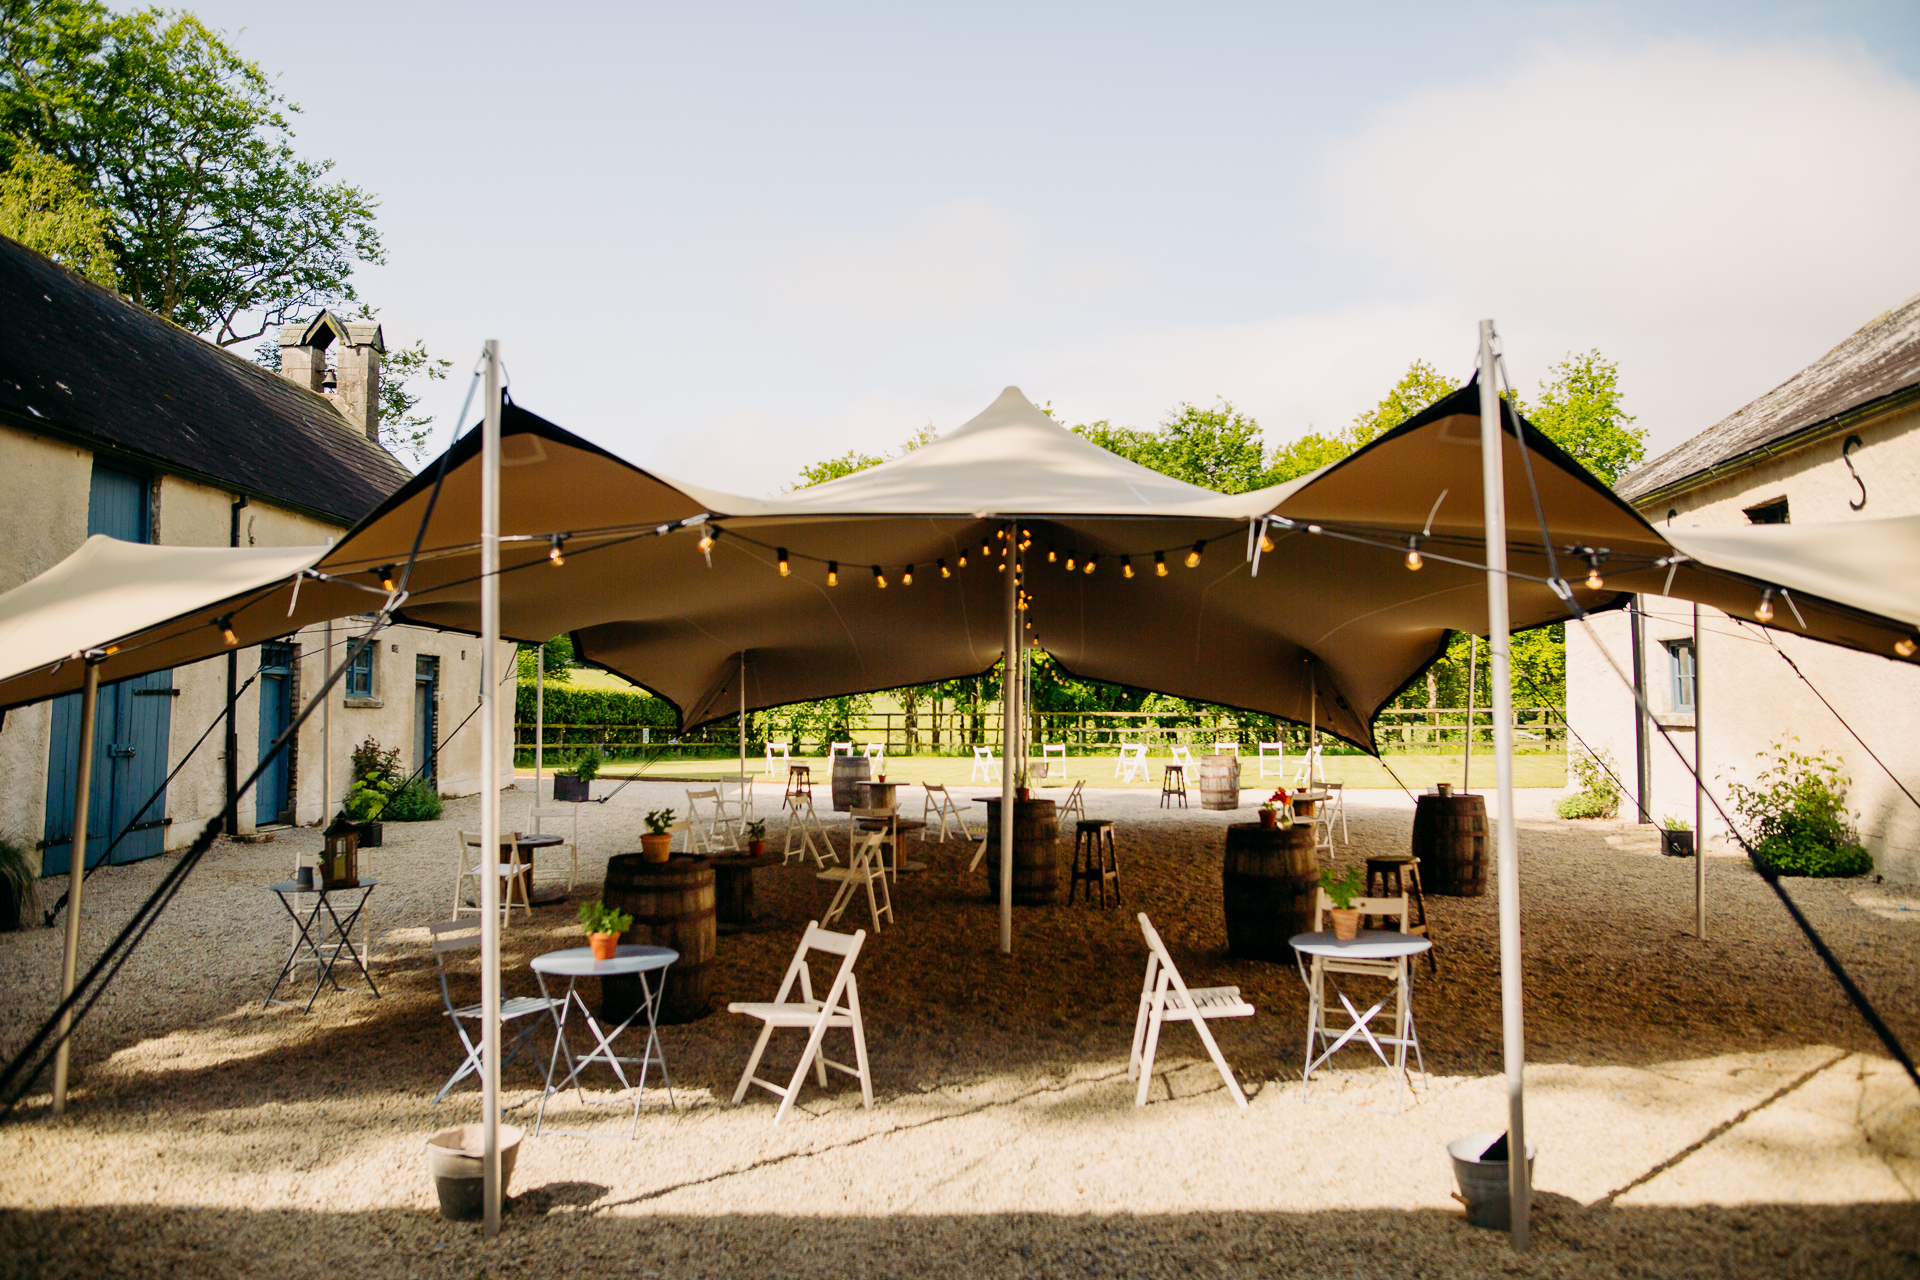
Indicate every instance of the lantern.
{"type": "Point", "coordinates": [340, 861]}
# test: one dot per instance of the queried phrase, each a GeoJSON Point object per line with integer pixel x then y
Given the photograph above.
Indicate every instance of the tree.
{"type": "Point", "coordinates": [401, 430]}
{"type": "Point", "coordinates": [1218, 448]}
{"type": "Point", "coordinates": [44, 206]}
{"type": "Point", "coordinates": [559, 668]}
{"type": "Point", "coordinates": [854, 460]}
{"type": "Point", "coordinates": [1419, 387]}
{"type": "Point", "coordinates": [214, 222]}
{"type": "Point", "coordinates": [1580, 410]}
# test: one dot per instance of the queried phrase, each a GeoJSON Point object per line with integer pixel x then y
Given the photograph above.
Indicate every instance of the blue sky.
{"type": "Point", "coordinates": [727, 240]}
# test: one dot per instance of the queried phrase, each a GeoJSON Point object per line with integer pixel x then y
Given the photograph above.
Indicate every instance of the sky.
{"type": "Point", "coordinates": [728, 240]}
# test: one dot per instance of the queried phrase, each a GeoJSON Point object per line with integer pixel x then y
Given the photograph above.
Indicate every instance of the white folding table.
{"type": "Point", "coordinates": [1371, 953]}
{"type": "Point", "coordinates": [576, 963]}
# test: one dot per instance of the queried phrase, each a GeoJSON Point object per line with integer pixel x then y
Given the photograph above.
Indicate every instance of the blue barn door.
{"type": "Point", "coordinates": [272, 794]}
{"type": "Point", "coordinates": [426, 678]}
{"type": "Point", "coordinates": [131, 721]}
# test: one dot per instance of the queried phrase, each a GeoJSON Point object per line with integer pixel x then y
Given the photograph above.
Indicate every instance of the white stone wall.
{"type": "Point", "coordinates": [1750, 699]}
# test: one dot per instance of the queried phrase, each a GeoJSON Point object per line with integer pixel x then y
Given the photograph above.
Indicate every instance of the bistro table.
{"type": "Point", "coordinates": [1370, 953]}
{"type": "Point", "coordinates": [321, 943]}
{"type": "Point", "coordinates": [576, 963]}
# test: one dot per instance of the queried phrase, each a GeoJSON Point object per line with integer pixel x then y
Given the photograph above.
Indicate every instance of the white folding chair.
{"type": "Point", "coordinates": [1182, 756]}
{"type": "Point", "coordinates": [568, 818]}
{"type": "Point", "coordinates": [803, 829]}
{"type": "Point", "coordinates": [985, 767]}
{"type": "Point", "coordinates": [877, 751]}
{"type": "Point", "coordinates": [1132, 763]}
{"type": "Point", "coordinates": [1075, 802]}
{"type": "Point", "coordinates": [886, 820]}
{"type": "Point", "coordinates": [864, 869]}
{"type": "Point", "coordinates": [841, 1008]}
{"type": "Point", "coordinates": [743, 797]}
{"type": "Point", "coordinates": [940, 805]}
{"type": "Point", "coordinates": [1309, 767]}
{"type": "Point", "coordinates": [1276, 752]}
{"type": "Point", "coordinates": [715, 831]}
{"type": "Point", "coordinates": [1335, 806]}
{"type": "Point", "coordinates": [1398, 971]}
{"type": "Point", "coordinates": [464, 935]}
{"type": "Point", "coordinates": [1054, 751]}
{"type": "Point", "coordinates": [472, 866]}
{"type": "Point", "coordinates": [840, 749]}
{"type": "Point", "coordinates": [1165, 997]}
{"type": "Point", "coordinates": [1227, 749]}
{"type": "Point", "coordinates": [781, 751]}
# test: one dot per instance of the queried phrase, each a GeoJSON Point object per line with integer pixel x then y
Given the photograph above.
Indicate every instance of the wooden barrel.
{"type": "Point", "coordinates": [1268, 882]}
{"type": "Point", "coordinates": [1036, 853]}
{"type": "Point", "coordinates": [1220, 782]}
{"type": "Point", "coordinates": [1450, 839]}
{"type": "Point", "coordinates": [848, 773]}
{"type": "Point", "coordinates": [672, 905]}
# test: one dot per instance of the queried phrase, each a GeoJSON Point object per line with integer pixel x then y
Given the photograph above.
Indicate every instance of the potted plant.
{"type": "Point", "coordinates": [577, 783]}
{"type": "Point", "coordinates": [604, 925]}
{"type": "Point", "coordinates": [657, 844]}
{"type": "Point", "coordinates": [1271, 810]}
{"type": "Point", "coordinates": [1022, 792]}
{"type": "Point", "coordinates": [756, 837]}
{"type": "Point", "coordinates": [1346, 916]}
{"type": "Point", "coordinates": [19, 885]}
{"type": "Point", "coordinates": [1676, 837]}
{"type": "Point", "coordinates": [375, 777]}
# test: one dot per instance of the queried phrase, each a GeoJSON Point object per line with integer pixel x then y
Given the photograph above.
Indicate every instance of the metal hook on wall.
{"type": "Point", "coordinates": [1852, 443]}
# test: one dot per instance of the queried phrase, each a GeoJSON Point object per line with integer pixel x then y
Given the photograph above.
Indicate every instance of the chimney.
{"type": "Point", "coordinates": [353, 384]}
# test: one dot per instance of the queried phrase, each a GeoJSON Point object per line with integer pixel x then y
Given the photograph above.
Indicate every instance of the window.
{"type": "Point", "coordinates": [1681, 674]}
{"type": "Point", "coordinates": [1773, 512]}
{"type": "Point", "coordinates": [360, 673]}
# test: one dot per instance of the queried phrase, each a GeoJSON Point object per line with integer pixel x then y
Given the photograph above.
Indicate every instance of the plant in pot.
{"type": "Point", "coordinates": [1346, 916]}
{"type": "Point", "coordinates": [376, 776]}
{"type": "Point", "coordinates": [604, 925]}
{"type": "Point", "coordinates": [1021, 790]}
{"type": "Point", "coordinates": [756, 838]}
{"type": "Point", "coordinates": [1275, 807]}
{"type": "Point", "coordinates": [657, 844]}
{"type": "Point", "coordinates": [1676, 837]}
{"type": "Point", "coordinates": [576, 784]}
{"type": "Point", "coordinates": [19, 885]}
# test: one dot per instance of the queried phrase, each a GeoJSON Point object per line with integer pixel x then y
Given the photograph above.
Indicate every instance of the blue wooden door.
{"type": "Point", "coordinates": [272, 794]}
{"type": "Point", "coordinates": [426, 677]}
{"type": "Point", "coordinates": [131, 723]}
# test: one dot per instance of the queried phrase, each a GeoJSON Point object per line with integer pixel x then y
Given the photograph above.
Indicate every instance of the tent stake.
{"type": "Point", "coordinates": [1009, 717]}
{"type": "Point", "coordinates": [490, 795]}
{"type": "Point", "coordinates": [1513, 1041]}
{"type": "Point", "coordinates": [76, 878]}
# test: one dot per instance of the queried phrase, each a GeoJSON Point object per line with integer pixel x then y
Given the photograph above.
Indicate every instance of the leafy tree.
{"type": "Point", "coordinates": [214, 222]}
{"type": "Point", "coordinates": [1580, 410]}
{"type": "Point", "coordinates": [559, 660]}
{"type": "Point", "coordinates": [1419, 387]}
{"type": "Point", "coordinates": [44, 206]}
{"type": "Point", "coordinates": [854, 460]}
{"type": "Point", "coordinates": [401, 430]}
{"type": "Point", "coordinates": [1218, 448]}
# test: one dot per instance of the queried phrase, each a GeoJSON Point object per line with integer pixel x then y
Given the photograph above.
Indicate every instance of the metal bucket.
{"type": "Point", "coordinates": [1483, 1183]}
{"type": "Point", "coordinates": [455, 1158]}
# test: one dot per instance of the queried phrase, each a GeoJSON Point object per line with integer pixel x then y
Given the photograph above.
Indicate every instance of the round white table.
{"type": "Point", "coordinates": [1373, 953]}
{"type": "Point", "coordinates": [576, 963]}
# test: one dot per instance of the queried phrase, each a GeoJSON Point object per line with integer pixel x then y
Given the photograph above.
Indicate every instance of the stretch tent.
{"type": "Point", "coordinates": [1331, 627]}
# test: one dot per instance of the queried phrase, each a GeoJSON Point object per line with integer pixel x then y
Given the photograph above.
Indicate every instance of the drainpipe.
{"type": "Point", "coordinates": [233, 693]}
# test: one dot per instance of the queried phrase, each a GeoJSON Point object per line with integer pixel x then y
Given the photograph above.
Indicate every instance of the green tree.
{"type": "Point", "coordinates": [213, 220]}
{"type": "Point", "coordinates": [402, 431]}
{"type": "Point", "coordinates": [1218, 448]}
{"type": "Point", "coordinates": [855, 460]}
{"type": "Point", "coordinates": [1419, 387]}
{"type": "Point", "coordinates": [1580, 410]}
{"type": "Point", "coordinates": [44, 206]}
{"type": "Point", "coordinates": [559, 660]}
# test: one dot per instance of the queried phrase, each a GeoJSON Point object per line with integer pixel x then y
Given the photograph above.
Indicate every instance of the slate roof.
{"type": "Point", "coordinates": [82, 363]}
{"type": "Point", "coordinates": [1880, 361]}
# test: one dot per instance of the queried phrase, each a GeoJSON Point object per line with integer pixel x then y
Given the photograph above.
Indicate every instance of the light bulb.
{"type": "Point", "coordinates": [1126, 566]}
{"type": "Point", "coordinates": [1594, 581]}
{"type": "Point", "coordinates": [785, 568]}
{"type": "Point", "coordinates": [1021, 604]}
{"type": "Point", "coordinates": [1904, 646]}
{"type": "Point", "coordinates": [385, 573]}
{"type": "Point", "coordinates": [1091, 562]}
{"type": "Point", "coordinates": [706, 541]}
{"type": "Point", "coordinates": [1764, 610]}
{"type": "Point", "coordinates": [1266, 543]}
{"type": "Point", "coordinates": [1159, 564]}
{"type": "Point", "coordinates": [1193, 556]}
{"type": "Point", "coordinates": [985, 550]}
{"type": "Point", "coordinates": [963, 559]}
{"type": "Point", "coordinates": [226, 630]}
{"type": "Point", "coordinates": [556, 548]}
{"type": "Point", "coordinates": [1002, 566]}
{"type": "Point", "coordinates": [944, 571]}
{"type": "Point", "coordinates": [999, 533]}
{"type": "Point", "coordinates": [833, 573]}
{"type": "Point", "coordinates": [1069, 562]}
{"type": "Point", "coordinates": [906, 579]}
{"type": "Point", "coordinates": [879, 578]}
{"type": "Point", "coordinates": [1051, 555]}
{"type": "Point", "coordinates": [1414, 560]}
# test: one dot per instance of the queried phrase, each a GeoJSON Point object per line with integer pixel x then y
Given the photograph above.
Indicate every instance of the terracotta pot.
{"type": "Point", "coordinates": [603, 944]}
{"type": "Point", "coordinates": [1346, 923]}
{"type": "Point", "coordinates": [1269, 818]}
{"type": "Point", "coordinates": [756, 847]}
{"type": "Point", "coordinates": [656, 848]}
{"type": "Point", "coordinates": [1023, 794]}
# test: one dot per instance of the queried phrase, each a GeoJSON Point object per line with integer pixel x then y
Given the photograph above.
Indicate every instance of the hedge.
{"type": "Point", "coordinates": [606, 707]}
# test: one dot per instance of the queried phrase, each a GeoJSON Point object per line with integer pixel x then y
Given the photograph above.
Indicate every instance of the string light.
{"type": "Point", "coordinates": [785, 568]}
{"type": "Point", "coordinates": [1092, 560]}
{"type": "Point", "coordinates": [706, 539]}
{"type": "Point", "coordinates": [906, 579]}
{"type": "Point", "coordinates": [985, 549]}
{"type": "Point", "coordinates": [1069, 562]}
{"type": "Point", "coordinates": [1764, 611]}
{"type": "Point", "coordinates": [963, 559]}
{"type": "Point", "coordinates": [1051, 556]}
{"type": "Point", "coordinates": [1159, 565]}
{"type": "Point", "coordinates": [833, 573]}
{"type": "Point", "coordinates": [1414, 560]}
{"type": "Point", "coordinates": [1002, 566]}
{"type": "Point", "coordinates": [1266, 542]}
{"type": "Point", "coordinates": [1026, 539]}
{"type": "Point", "coordinates": [385, 573]}
{"type": "Point", "coordinates": [946, 572]}
{"type": "Point", "coordinates": [1594, 581]}
{"type": "Point", "coordinates": [879, 578]}
{"type": "Point", "coordinates": [1193, 556]}
{"type": "Point", "coordinates": [1904, 646]}
{"type": "Point", "coordinates": [226, 630]}
{"type": "Point", "coordinates": [1126, 566]}
{"type": "Point", "coordinates": [556, 549]}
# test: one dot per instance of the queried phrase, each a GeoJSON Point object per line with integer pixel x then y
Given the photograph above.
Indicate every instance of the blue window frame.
{"type": "Point", "coordinates": [1681, 674]}
{"type": "Point", "coordinates": [360, 673]}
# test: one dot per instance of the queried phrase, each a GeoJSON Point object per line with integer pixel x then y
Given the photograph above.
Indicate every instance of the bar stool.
{"type": "Point", "coordinates": [1173, 783]}
{"type": "Point", "coordinates": [1095, 860]}
{"type": "Point", "coordinates": [1391, 875]}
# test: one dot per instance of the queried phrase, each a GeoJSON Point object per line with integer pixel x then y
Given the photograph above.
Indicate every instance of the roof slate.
{"type": "Point", "coordinates": [83, 362]}
{"type": "Point", "coordinates": [1880, 360]}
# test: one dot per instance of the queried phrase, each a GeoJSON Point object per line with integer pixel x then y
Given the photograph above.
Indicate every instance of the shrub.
{"type": "Point", "coordinates": [1585, 804]}
{"type": "Point", "coordinates": [418, 801]}
{"type": "Point", "coordinates": [1797, 812]}
{"type": "Point", "coordinates": [1599, 794]}
{"type": "Point", "coordinates": [21, 871]}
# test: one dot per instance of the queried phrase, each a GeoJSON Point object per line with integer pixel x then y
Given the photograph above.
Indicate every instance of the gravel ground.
{"type": "Point", "coordinates": [1701, 1108]}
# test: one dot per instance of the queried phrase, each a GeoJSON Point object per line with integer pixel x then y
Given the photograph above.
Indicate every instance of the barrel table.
{"type": "Point", "coordinates": [1268, 882]}
{"type": "Point", "coordinates": [1036, 853]}
{"type": "Point", "coordinates": [848, 773]}
{"type": "Point", "coordinates": [1219, 782]}
{"type": "Point", "coordinates": [1450, 839]}
{"type": "Point", "coordinates": [672, 905]}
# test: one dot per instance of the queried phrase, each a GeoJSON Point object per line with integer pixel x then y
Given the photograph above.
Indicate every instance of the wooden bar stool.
{"type": "Point", "coordinates": [1173, 783]}
{"type": "Point", "coordinates": [1094, 859]}
{"type": "Point", "coordinates": [1390, 876]}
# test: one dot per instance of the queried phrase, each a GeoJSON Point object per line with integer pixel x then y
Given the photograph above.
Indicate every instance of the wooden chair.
{"type": "Point", "coordinates": [1398, 875]}
{"type": "Point", "coordinates": [1164, 998]}
{"type": "Point", "coordinates": [840, 1008]}
{"type": "Point", "coordinates": [985, 767]}
{"type": "Point", "coordinates": [781, 751]}
{"type": "Point", "coordinates": [1132, 763]}
{"type": "Point", "coordinates": [1227, 749]}
{"type": "Point", "coordinates": [1054, 751]}
{"type": "Point", "coordinates": [1277, 753]}
{"type": "Point", "coordinates": [717, 830]}
{"type": "Point", "coordinates": [940, 805]}
{"type": "Point", "coordinates": [864, 869]}
{"type": "Point", "coordinates": [568, 816]}
{"type": "Point", "coordinates": [1182, 756]}
{"type": "Point", "coordinates": [1076, 801]}
{"type": "Point", "coordinates": [1309, 769]}
{"type": "Point", "coordinates": [472, 866]}
{"type": "Point", "coordinates": [839, 749]}
{"type": "Point", "coordinates": [884, 819]}
{"type": "Point", "coordinates": [877, 752]}
{"type": "Point", "coordinates": [804, 823]}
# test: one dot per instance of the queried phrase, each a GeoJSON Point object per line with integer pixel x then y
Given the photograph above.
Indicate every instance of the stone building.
{"type": "Point", "coordinates": [1838, 441]}
{"type": "Point", "coordinates": [114, 421]}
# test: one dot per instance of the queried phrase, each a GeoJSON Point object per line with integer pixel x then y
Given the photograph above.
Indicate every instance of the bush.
{"type": "Point", "coordinates": [418, 801]}
{"type": "Point", "coordinates": [1599, 794]}
{"type": "Point", "coordinates": [1585, 804]}
{"type": "Point", "coordinates": [1797, 812]}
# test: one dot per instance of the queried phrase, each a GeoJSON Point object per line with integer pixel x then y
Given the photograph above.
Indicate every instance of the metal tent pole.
{"type": "Point", "coordinates": [326, 735]}
{"type": "Point", "coordinates": [539, 722]}
{"type": "Point", "coordinates": [743, 734]}
{"type": "Point", "coordinates": [1473, 671]}
{"type": "Point", "coordinates": [490, 795]}
{"type": "Point", "coordinates": [76, 878]}
{"type": "Point", "coordinates": [1642, 758]}
{"type": "Point", "coordinates": [1513, 1041]}
{"type": "Point", "coordinates": [1699, 796]}
{"type": "Point", "coordinates": [1009, 718]}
